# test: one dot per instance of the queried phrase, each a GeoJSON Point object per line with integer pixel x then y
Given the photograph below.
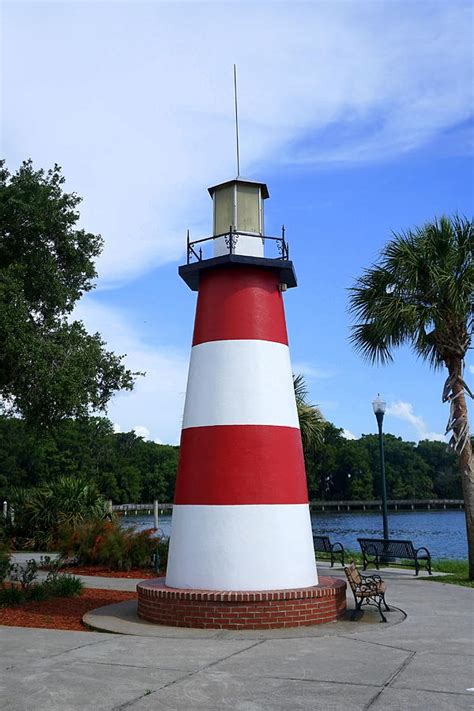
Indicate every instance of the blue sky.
{"type": "Point", "coordinates": [358, 115]}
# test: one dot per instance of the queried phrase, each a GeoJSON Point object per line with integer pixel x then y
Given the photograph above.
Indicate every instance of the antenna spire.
{"type": "Point", "coordinates": [236, 122]}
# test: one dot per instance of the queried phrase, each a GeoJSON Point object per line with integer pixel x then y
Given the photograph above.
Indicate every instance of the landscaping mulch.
{"type": "Point", "coordinates": [142, 573]}
{"type": "Point", "coordinates": [61, 613]}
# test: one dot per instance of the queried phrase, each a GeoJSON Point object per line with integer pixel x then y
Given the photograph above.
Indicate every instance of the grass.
{"type": "Point", "coordinates": [457, 569]}
{"type": "Point", "coordinates": [451, 580]}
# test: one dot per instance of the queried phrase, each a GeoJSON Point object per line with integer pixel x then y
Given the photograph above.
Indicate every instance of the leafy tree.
{"type": "Point", "coordinates": [421, 293]}
{"type": "Point", "coordinates": [50, 367]}
{"type": "Point", "coordinates": [310, 418]}
{"type": "Point", "coordinates": [442, 463]}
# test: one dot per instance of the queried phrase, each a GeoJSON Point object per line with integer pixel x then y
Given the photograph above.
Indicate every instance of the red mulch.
{"type": "Point", "coordinates": [141, 573]}
{"type": "Point", "coordinates": [61, 613]}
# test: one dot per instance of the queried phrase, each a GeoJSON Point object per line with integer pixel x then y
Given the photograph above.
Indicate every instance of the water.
{"type": "Point", "coordinates": [442, 532]}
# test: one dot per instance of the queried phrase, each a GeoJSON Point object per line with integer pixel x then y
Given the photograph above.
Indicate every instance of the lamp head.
{"type": "Point", "coordinates": [379, 405]}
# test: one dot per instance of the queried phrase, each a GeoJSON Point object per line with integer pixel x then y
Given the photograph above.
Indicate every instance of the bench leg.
{"type": "Point", "coordinates": [358, 604]}
{"type": "Point", "coordinates": [385, 603]}
{"type": "Point", "coordinates": [384, 619]}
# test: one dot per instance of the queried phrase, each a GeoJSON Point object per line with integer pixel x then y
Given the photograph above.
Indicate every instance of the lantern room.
{"type": "Point", "coordinates": [238, 215]}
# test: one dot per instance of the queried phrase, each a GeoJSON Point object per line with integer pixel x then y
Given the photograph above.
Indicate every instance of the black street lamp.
{"type": "Point", "coordinates": [379, 409]}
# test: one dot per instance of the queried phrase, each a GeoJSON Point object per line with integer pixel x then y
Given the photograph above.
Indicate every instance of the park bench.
{"type": "Point", "coordinates": [324, 545]}
{"type": "Point", "coordinates": [367, 590]}
{"type": "Point", "coordinates": [376, 550]}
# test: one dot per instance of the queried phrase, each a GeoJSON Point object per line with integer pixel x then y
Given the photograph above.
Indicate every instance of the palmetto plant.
{"type": "Point", "coordinates": [310, 417]}
{"type": "Point", "coordinates": [421, 293]}
{"type": "Point", "coordinates": [41, 511]}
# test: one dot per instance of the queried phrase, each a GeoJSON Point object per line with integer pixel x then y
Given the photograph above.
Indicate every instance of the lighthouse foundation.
{"type": "Point", "coordinates": [242, 610]}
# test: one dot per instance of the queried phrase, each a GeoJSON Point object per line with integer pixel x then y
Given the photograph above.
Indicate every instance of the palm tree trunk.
{"type": "Point", "coordinates": [466, 463]}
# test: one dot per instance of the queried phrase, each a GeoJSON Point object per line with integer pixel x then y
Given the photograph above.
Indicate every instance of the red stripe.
{"type": "Point", "coordinates": [239, 302]}
{"type": "Point", "coordinates": [241, 464]}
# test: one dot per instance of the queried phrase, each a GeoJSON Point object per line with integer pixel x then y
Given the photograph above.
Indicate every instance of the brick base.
{"type": "Point", "coordinates": [268, 609]}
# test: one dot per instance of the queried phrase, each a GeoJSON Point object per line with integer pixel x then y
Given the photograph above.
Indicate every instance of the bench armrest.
{"type": "Point", "coordinates": [367, 586]}
{"type": "Point", "coordinates": [371, 579]}
{"type": "Point", "coordinates": [341, 547]}
{"type": "Point", "coordinates": [422, 548]}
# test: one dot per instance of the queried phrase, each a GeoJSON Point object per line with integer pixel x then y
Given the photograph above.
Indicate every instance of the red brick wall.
{"type": "Point", "coordinates": [325, 602]}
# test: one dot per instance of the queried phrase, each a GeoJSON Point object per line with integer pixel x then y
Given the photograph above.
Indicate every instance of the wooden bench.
{"type": "Point", "coordinates": [376, 550]}
{"type": "Point", "coordinates": [324, 545]}
{"type": "Point", "coordinates": [367, 590]}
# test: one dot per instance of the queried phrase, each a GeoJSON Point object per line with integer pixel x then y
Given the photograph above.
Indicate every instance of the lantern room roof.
{"type": "Point", "coordinates": [244, 181]}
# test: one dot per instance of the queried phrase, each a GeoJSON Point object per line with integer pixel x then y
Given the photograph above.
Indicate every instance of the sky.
{"type": "Point", "coordinates": [357, 115]}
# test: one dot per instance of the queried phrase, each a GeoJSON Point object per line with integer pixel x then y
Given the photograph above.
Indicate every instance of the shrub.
{"type": "Point", "coordinates": [5, 564]}
{"type": "Point", "coordinates": [11, 596]}
{"type": "Point", "coordinates": [106, 543]}
{"type": "Point", "coordinates": [52, 566]}
{"type": "Point", "coordinates": [162, 550]}
{"type": "Point", "coordinates": [38, 593]}
{"type": "Point", "coordinates": [25, 573]}
{"type": "Point", "coordinates": [41, 511]}
{"type": "Point", "coordinates": [63, 586]}
{"type": "Point", "coordinates": [60, 586]}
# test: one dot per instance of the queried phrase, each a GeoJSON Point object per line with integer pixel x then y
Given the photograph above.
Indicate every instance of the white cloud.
{"type": "Point", "coordinates": [471, 368]}
{"type": "Point", "coordinates": [310, 371]}
{"type": "Point", "coordinates": [157, 400]}
{"type": "Point", "coordinates": [142, 431]}
{"type": "Point", "coordinates": [347, 434]}
{"type": "Point", "coordinates": [135, 100]}
{"type": "Point", "coordinates": [404, 411]}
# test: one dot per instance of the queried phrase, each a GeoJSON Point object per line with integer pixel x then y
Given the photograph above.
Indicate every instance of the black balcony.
{"type": "Point", "coordinates": [199, 259]}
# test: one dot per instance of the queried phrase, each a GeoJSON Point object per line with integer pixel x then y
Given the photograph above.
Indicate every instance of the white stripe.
{"type": "Point", "coordinates": [268, 547]}
{"type": "Point", "coordinates": [240, 382]}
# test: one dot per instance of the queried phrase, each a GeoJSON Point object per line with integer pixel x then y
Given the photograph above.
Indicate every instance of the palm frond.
{"type": "Point", "coordinates": [310, 418]}
{"type": "Point", "coordinates": [419, 293]}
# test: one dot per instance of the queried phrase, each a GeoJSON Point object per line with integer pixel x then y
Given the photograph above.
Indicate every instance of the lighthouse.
{"type": "Point", "coordinates": [241, 519]}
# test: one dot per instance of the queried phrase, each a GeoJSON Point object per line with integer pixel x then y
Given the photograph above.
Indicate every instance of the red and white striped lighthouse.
{"type": "Point", "coordinates": [241, 518]}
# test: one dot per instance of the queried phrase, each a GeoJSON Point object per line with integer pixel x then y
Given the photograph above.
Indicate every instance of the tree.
{"type": "Point", "coordinates": [50, 367]}
{"type": "Point", "coordinates": [421, 293]}
{"type": "Point", "coordinates": [310, 418]}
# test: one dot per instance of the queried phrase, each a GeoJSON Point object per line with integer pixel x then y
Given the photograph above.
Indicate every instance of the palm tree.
{"type": "Point", "coordinates": [310, 418]}
{"type": "Point", "coordinates": [421, 293]}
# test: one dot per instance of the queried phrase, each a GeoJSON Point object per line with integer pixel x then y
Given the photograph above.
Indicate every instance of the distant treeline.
{"type": "Point", "coordinates": [128, 469]}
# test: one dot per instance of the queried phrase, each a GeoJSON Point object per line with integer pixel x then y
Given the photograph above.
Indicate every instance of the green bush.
{"type": "Point", "coordinates": [106, 543]}
{"type": "Point", "coordinates": [60, 586]}
{"type": "Point", "coordinates": [162, 549]}
{"type": "Point", "coordinates": [11, 596]}
{"type": "Point", "coordinates": [5, 564]}
{"type": "Point", "coordinates": [37, 593]}
{"type": "Point", "coordinates": [25, 573]}
{"type": "Point", "coordinates": [41, 511]}
{"type": "Point", "coordinates": [63, 586]}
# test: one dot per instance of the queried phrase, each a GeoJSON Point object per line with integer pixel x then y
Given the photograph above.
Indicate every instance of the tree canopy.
{"type": "Point", "coordinates": [50, 367]}
{"type": "Point", "coordinates": [421, 294]}
{"type": "Point", "coordinates": [126, 468]}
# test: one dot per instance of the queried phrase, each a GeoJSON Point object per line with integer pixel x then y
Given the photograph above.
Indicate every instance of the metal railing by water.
{"type": "Point", "coordinates": [394, 504]}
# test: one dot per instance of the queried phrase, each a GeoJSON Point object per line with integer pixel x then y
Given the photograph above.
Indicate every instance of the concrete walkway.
{"type": "Point", "coordinates": [423, 662]}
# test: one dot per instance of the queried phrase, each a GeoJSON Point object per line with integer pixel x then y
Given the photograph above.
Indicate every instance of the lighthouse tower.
{"type": "Point", "coordinates": [241, 518]}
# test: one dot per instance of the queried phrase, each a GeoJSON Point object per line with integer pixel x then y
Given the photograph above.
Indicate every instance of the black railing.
{"type": "Point", "coordinates": [195, 252]}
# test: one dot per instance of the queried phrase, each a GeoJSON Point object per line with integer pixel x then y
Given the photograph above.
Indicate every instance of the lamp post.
{"type": "Point", "coordinates": [380, 406]}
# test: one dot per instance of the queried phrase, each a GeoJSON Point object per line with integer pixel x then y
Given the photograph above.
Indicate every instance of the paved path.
{"type": "Point", "coordinates": [424, 662]}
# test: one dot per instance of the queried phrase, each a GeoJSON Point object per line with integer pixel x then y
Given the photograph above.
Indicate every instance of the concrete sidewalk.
{"type": "Point", "coordinates": [130, 584]}
{"type": "Point", "coordinates": [424, 662]}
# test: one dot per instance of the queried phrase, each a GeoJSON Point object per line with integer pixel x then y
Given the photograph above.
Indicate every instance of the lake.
{"type": "Point", "coordinates": [442, 532]}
